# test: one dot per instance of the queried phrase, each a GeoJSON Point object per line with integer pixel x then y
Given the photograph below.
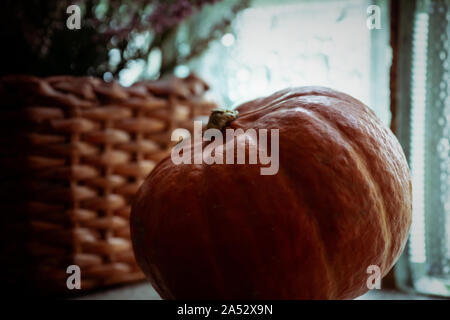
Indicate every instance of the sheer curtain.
{"type": "Point", "coordinates": [424, 130]}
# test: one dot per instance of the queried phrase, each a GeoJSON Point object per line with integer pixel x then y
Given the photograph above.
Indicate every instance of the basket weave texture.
{"type": "Point", "coordinates": [73, 153]}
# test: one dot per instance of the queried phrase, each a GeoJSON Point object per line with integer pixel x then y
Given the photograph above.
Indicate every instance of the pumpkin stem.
{"type": "Point", "coordinates": [220, 118]}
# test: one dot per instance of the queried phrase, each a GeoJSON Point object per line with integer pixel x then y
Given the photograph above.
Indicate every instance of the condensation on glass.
{"type": "Point", "coordinates": [425, 266]}
{"type": "Point", "coordinates": [276, 44]}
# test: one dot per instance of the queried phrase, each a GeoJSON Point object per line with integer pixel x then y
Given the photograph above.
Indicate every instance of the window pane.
{"type": "Point", "coordinates": [278, 44]}
{"type": "Point", "coordinates": [425, 265]}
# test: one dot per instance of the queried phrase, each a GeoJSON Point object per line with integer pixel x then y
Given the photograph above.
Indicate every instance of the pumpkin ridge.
{"type": "Point", "coordinates": [281, 98]}
{"type": "Point", "coordinates": [249, 236]}
{"type": "Point", "coordinates": [367, 172]}
{"type": "Point", "coordinates": [319, 233]}
{"type": "Point", "coordinates": [331, 274]}
{"type": "Point", "coordinates": [157, 280]}
{"type": "Point", "coordinates": [212, 241]}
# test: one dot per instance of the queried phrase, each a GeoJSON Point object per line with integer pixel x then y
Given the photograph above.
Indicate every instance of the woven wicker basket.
{"type": "Point", "coordinates": [73, 153]}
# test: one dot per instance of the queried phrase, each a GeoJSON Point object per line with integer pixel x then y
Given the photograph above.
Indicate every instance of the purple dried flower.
{"type": "Point", "coordinates": [167, 15]}
{"type": "Point", "coordinates": [41, 43]}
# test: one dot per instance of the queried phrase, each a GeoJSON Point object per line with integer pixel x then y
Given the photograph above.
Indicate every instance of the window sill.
{"type": "Point", "coordinates": [143, 291]}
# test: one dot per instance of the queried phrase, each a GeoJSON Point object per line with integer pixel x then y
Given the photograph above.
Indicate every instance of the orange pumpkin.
{"type": "Point", "coordinates": [340, 202]}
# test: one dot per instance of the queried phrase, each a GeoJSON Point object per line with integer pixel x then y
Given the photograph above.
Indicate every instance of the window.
{"type": "Point", "coordinates": [424, 130]}
{"type": "Point", "coordinates": [276, 44]}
